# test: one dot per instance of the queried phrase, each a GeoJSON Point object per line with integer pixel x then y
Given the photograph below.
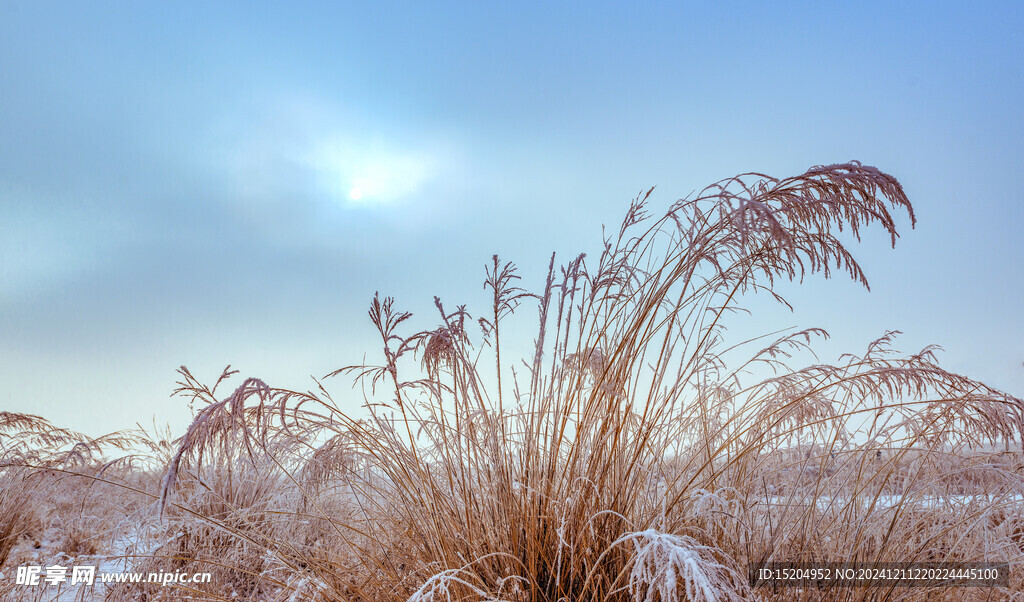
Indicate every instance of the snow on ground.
{"type": "Point", "coordinates": [120, 555]}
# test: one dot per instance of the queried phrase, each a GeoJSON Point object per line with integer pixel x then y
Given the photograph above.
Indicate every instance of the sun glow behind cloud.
{"type": "Point", "coordinates": [300, 160]}
{"type": "Point", "coordinates": [359, 173]}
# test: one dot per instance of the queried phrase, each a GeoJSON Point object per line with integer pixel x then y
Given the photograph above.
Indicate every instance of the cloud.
{"type": "Point", "coordinates": [44, 242]}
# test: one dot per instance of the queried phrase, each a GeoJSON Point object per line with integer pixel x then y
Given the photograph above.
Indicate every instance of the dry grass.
{"type": "Point", "coordinates": [629, 457]}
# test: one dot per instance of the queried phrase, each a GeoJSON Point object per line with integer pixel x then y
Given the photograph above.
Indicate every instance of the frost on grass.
{"type": "Point", "coordinates": [670, 567]}
{"type": "Point", "coordinates": [453, 584]}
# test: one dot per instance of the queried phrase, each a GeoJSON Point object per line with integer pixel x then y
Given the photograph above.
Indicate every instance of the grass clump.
{"type": "Point", "coordinates": [631, 455]}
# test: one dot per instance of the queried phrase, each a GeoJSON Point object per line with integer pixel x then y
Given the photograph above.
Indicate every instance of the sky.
{"type": "Point", "coordinates": [187, 184]}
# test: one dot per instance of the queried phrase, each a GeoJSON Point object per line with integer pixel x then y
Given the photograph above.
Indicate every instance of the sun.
{"type": "Point", "coordinates": [368, 176]}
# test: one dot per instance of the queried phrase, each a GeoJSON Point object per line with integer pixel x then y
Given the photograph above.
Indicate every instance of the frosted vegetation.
{"type": "Point", "coordinates": [629, 457]}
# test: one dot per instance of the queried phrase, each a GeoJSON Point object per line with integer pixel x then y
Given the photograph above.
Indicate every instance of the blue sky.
{"type": "Point", "coordinates": [186, 184]}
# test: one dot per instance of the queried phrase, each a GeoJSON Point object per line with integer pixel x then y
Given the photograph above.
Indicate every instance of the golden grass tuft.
{"type": "Point", "coordinates": [629, 456]}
